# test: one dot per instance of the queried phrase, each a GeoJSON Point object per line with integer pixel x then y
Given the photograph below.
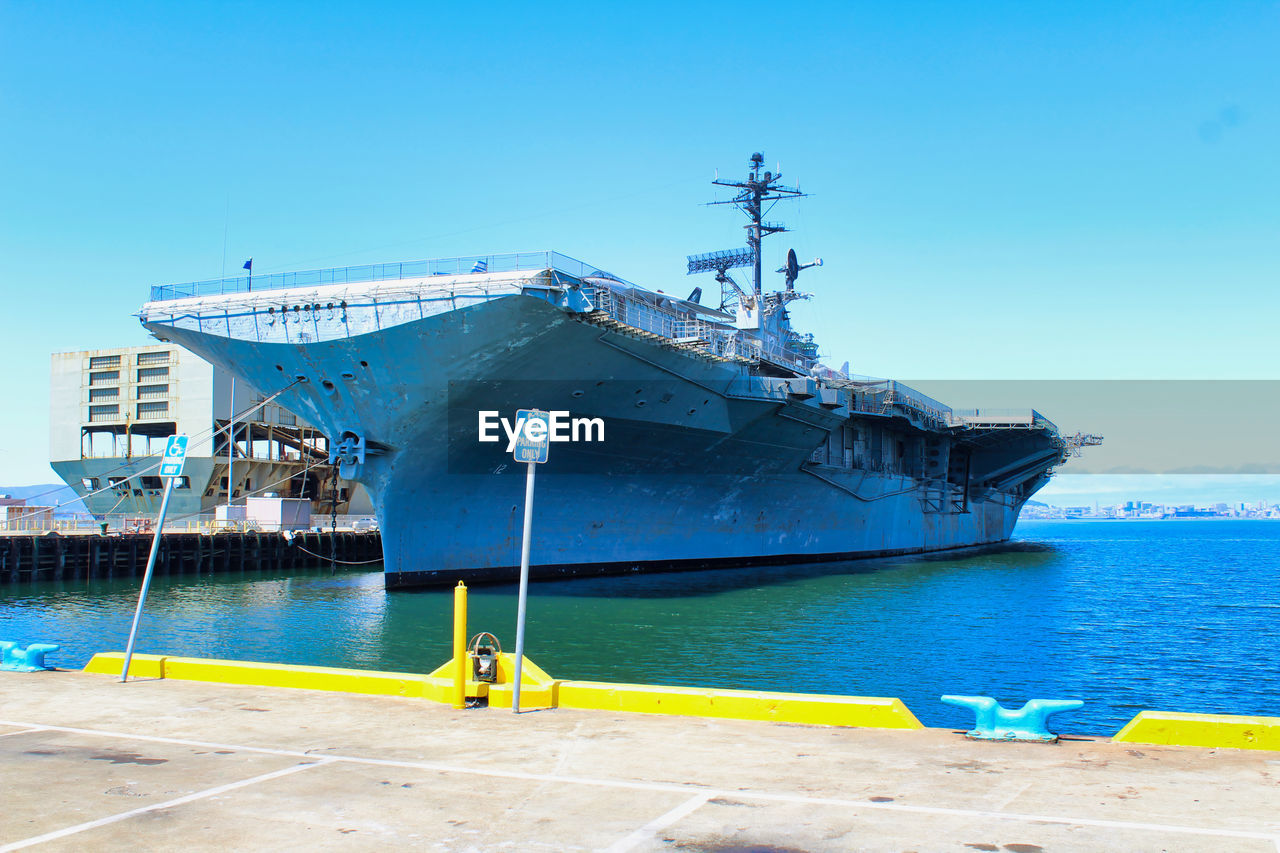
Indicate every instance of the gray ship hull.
{"type": "Point", "coordinates": [703, 464]}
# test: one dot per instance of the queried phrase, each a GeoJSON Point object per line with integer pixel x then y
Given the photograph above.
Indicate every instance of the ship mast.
{"type": "Point", "coordinates": [763, 330]}
{"type": "Point", "coordinates": [757, 191]}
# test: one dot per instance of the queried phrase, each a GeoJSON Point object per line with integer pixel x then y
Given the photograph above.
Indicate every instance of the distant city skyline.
{"type": "Point", "coordinates": [1068, 489]}
{"type": "Point", "coordinates": [1147, 510]}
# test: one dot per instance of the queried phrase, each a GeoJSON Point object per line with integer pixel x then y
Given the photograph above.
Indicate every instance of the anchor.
{"type": "Point", "coordinates": [349, 453]}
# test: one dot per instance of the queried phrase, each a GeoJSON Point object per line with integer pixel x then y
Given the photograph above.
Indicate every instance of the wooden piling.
{"type": "Point", "coordinates": [42, 557]}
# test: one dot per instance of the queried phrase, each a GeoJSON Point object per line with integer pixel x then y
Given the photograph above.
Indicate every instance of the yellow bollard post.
{"type": "Point", "coordinates": [460, 645]}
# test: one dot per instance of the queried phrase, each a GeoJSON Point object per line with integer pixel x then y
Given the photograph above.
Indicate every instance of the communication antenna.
{"type": "Point", "coordinates": [756, 195]}
{"type": "Point", "coordinates": [793, 268]}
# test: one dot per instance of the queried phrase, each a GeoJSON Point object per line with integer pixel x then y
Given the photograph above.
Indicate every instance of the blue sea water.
{"type": "Point", "coordinates": [1126, 615]}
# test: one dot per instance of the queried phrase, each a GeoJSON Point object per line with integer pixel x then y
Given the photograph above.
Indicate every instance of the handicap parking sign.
{"type": "Point", "coordinates": [175, 454]}
{"type": "Point", "coordinates": [533, 435]}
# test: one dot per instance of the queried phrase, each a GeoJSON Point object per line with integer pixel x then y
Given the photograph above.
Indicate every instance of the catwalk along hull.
{"type": "Point", "coordinates": [705, 462]}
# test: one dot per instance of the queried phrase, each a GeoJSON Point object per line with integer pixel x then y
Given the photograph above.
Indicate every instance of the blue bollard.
{"type": "Point", "coordinates": [996, 722]}
{"type": "Point", "coordinates": [30, 659]}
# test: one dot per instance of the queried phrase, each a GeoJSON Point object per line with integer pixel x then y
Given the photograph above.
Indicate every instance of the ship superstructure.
{"type": "Point", "coordinates": [726, 443]}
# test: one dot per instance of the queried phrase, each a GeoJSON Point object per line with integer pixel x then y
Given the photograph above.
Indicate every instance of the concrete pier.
{"type": "Point", "coordinates": [90, 763]}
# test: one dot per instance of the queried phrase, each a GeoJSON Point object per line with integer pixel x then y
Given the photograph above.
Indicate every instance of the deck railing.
{"type": "Point", "coordinates": [718, 338]}
{"type": "Point", "coordinates": [133, 523]}
{"type": "Point", "coordinates": [376, 272]}
{"type": "Point", "coordinates": [1008, 418]}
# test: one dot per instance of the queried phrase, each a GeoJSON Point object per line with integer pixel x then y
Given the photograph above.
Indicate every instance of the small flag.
{"type": "Point", "coordinates": [482, 265]}
{"type": "Point", "coordinates": [248, 265]}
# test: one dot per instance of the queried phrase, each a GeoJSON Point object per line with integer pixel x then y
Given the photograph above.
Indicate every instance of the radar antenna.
{"type": "Point", "coordinates": [720, 263]}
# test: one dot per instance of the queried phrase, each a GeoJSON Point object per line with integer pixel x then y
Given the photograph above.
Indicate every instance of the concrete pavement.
{"type": "Point", "coordinates": [89, 763]}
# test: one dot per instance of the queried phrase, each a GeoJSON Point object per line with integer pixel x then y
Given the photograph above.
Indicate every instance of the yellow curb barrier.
{"type": "Point", "coordinates": [1212, 730]}
{"type": "Point", "coordinates": [538, 689]}
{"type": "Point", "coordinates": [802, 708]}
{"type": "Point", "coordinates": [276, 675]}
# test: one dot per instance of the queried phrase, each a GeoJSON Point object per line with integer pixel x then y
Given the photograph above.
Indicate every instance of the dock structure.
{"type": "Point", "coordinates": [91, 763]}
{"type": "Point", "coordinates": [112, 410]}
{"type": "Point", "coordinates": [53, 557]}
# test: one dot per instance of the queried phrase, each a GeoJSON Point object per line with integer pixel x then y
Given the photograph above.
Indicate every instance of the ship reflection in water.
{"type": "Point", "coordinates": [1167, 615]}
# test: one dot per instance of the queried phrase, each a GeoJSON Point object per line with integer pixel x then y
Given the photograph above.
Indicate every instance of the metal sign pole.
{"type": "Point", "coordinates": [175, 457]}
{"type": "Point", "coordinates": [524, 584]}
{"type": "Point", "coordinates": [532, 440]}
{"type": "Point", "coordinates": [146, 578]}
{"type": "Point", "coordinates": [231, 448]}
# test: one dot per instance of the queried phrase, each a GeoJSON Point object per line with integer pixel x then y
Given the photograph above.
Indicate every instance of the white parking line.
{"type": "Point", "coordinates": [703, 793]}
{"type": "Point", "coordinates": [1029, 818]}
{"type": "Point", "coordinates": [153, 739]}
{"type": "Point", "coordinates": [653, 827]}
{"type": "Point", "coordinates": [198, 795]}
{"type": "Point", "coordinates": [380, 762]}
{"type": "Point", "coordinates": [24, 731]}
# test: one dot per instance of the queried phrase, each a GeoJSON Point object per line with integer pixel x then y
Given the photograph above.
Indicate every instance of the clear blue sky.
{"type": "Point", "coordinates": [1000, 190]}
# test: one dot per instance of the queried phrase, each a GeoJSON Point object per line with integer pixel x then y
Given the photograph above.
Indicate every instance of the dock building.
{"type": "Point", "coordinates": [17, 514]}
{"type": "Point", "coordinates": [112, 410]}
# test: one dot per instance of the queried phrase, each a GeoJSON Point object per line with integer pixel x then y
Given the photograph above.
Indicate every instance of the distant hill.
{"type": "Point", "coordinates": [52, 494]}
{"type": "Point", "coordinates": [1035, 503]}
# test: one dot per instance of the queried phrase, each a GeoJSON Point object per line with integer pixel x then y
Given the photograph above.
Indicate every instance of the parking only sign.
{"type": "Point", "coordinates": [175, 454]}
{"type": "Point", "coordinates": [533, 435]}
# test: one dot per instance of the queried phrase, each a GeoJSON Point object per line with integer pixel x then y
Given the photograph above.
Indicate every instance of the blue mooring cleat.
{"type": "Point", "coordinates": [30, 659]}
{"type": "Point", "coordinates": [995, 722]}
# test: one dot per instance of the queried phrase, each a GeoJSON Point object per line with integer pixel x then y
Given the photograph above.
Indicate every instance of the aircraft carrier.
{"type": "Point", "coordinates": [726, 442]}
